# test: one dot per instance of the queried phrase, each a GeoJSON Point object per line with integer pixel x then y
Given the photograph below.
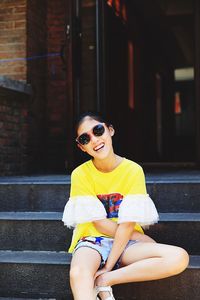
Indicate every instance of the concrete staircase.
{"type": "Point", "coordinates": [33, 240]}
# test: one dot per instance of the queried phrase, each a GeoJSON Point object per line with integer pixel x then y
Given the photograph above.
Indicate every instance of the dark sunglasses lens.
{"type": "Point", "coordinates": [84, 139]}
{"type": "Point", "coordinates": [98, 130]}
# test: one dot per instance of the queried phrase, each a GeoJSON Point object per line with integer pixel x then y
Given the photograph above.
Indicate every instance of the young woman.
{"type": "Point", "coordinates": [109, 207]}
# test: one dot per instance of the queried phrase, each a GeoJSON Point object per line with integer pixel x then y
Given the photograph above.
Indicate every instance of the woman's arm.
{"type": "Point", "coordinates": [106, 226]}
{"type": "Point", "coordinates": [109, 227]}
{"type": "Point", "coordinates": [122, 236]}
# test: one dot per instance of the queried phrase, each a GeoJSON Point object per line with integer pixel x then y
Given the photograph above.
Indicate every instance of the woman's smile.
{"type": "Point", "coordinates": [99, 147]}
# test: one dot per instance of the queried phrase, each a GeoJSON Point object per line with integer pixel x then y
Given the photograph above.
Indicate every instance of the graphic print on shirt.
{"type": "Point", "coordinates": [111, 203]}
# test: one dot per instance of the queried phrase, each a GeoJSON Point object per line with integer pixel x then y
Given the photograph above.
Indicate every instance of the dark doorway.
{"type": "Point", "coordinates": [149, 79]}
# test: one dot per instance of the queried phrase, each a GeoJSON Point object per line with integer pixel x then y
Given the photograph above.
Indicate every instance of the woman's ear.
{"type": "Point", "coordinates": [81, 147]}
{"type": "Point", "coordinates": [112, 130]}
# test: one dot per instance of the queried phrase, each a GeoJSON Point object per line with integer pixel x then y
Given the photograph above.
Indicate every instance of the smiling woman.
{"type": "Point", "coordinates": [95, 138]}
{"type": "Point", "coordinates": [109, 208]}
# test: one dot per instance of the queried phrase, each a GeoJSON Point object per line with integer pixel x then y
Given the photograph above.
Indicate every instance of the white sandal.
{"type": "Point", "coordinates": [104, 289]}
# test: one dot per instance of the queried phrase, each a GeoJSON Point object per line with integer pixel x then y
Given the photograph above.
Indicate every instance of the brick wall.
{"type": "Point", "coordinates": [14, 104]}
{"type": "Point", "coordinates": [14, 132]}
{"type": "Point", "coordinates": [32, 34]}
{"type": "Point", "coordinates": [88, 56]}
{"type": "Point", "coordinates": [13, 39]}
{"type": "Point", "coordinates": [37, 76]}
{"type": "Point", "coordinates": [57, 86]}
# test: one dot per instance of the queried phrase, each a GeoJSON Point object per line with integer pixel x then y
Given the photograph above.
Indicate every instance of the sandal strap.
{"type": "Point", "coordinates": [103, 289]}
{"type": "Point", "coordinates": [109, 298]}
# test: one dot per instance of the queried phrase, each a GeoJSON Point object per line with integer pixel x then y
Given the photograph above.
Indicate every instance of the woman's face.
{"type": "Point", "coordinates": [99, 147]}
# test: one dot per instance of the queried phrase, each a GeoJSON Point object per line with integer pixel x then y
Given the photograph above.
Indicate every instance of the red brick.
{"type": "Point", "coordinates": [13, 36]}
{"type": "Point", "coordinates": [12, 39]}
{"type": "Point", "coordinates": [5, 11]}
{"type": "Point", "coordinates": [11, 3]}
{"type": "Point", "coordinates": [6, 25]}
{"type": "Point", "coordinates": [12, 47]}
{"type": "Point", "coordinates": [12, 32]}
{"type": "Point", "coordinates": [19, 9]}
{"type": "Point", "coordinates": [20, 24]}
{"type": "Point", "coordinates": [12, 17]}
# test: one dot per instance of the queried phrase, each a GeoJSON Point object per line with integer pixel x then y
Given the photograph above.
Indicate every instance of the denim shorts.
{"type": "Point", "coordinates": [102, 245]}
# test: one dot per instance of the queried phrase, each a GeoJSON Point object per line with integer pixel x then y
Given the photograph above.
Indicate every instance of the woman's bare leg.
{"type": "Point", "coordinates": [147, 261]}
{"type": "Point", "coordinates": [84, 264]}
{"type": "Point", "coordinates": [142, 237]}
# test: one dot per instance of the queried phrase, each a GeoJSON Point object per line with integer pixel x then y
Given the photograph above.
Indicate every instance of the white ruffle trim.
{"type": "Point", "coordinates": [138, 208]}
{"type": "Point", "coordinates": [83, 209]}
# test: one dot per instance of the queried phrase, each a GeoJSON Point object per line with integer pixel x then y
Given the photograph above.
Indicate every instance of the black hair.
{"type": "Point", "coordinates": [93, 115]}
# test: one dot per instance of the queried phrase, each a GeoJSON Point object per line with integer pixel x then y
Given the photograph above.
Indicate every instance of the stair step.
{"type": "Point", "coordinates": [34, 193]}
{"type": "Point", "coordinates": [173, 176]}
{"type": "Point", "coordinates": [30, 221]}
{"type": "Point", "coordinates": [56, 216]}
{"type": "Point", "coordinates": [56, 258]}
{"type": "Point", "coordinates": [34, 274]}
{"type": "Point", "coordinates": [171, 192]}
{"type": "Point", "coordinates": [30, 215]}
{"type": "Point", "coordinates": [178, 229]}
{"type": "Point", "coordinates": [35, 179]}
{"type": "Point", "coordinates": [45, 231]}
{"type": "Point", "coordinates": [33, 231]}
{"type": "Point", "coordinates": [46, 275]}
{"type": "Point", "coordinates": [176, 217]}
{"type": "Point", "coordinates": [35, 257]}
{"type": "Point", "coordinates": [175, 191]}
{"type": "Point", "coordinates": [175, 195]}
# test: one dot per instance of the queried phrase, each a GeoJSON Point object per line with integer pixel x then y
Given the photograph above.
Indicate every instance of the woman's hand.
{"type": "Point", "coordinates": [100, 272]}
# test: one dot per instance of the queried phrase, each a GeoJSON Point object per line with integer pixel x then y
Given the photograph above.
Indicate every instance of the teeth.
{"type": "Point", "coordinates": [99, 147]}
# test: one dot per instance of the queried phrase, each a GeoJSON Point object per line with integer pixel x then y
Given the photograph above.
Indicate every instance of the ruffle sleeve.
{"type": "Point", "coordinates": [138, 208]}
{"type": "Point", "coordinates": [83, 209]}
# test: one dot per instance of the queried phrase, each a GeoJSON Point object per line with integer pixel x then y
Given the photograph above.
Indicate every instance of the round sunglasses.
{"type": "Point", "coordinates": [97, 130]}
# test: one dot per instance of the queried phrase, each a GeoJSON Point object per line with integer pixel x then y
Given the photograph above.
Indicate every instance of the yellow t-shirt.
{"type": "Point", "coordinates": [119, 195]}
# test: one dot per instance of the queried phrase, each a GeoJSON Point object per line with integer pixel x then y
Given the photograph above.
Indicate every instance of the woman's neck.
{"type": "Point", "coordinates": [108, 164]}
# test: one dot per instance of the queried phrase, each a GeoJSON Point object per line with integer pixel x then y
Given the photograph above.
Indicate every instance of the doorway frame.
{"type": "Point", "coordinates": [101, 77]}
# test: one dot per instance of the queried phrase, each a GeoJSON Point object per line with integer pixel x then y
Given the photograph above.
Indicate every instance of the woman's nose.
{"type": "Point", "coordinates": [93, 138]}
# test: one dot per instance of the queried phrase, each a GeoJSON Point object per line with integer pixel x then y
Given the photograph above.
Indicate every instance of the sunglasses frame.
{"type": "Point", "coordinates": [88, 136]}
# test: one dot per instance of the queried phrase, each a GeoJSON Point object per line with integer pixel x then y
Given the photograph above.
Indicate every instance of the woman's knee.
{"type": "Point", "coordinates": [85, 262]}
{"type": "Point", "coordinates": [179, 259]}
{"type": "Point", "coordinates": [78, 273]}
{"type": "Point", "coordinates": [182, 258]}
